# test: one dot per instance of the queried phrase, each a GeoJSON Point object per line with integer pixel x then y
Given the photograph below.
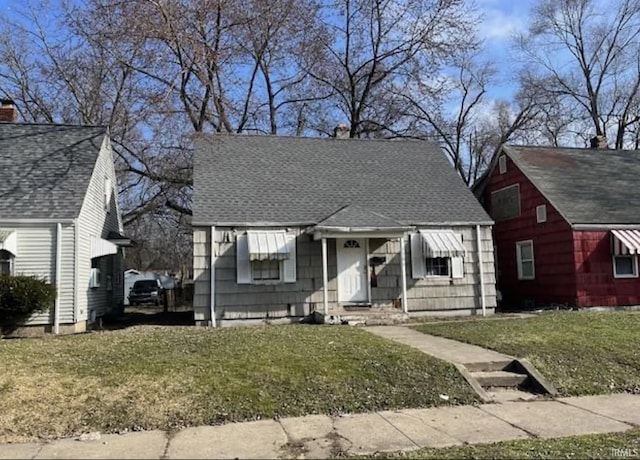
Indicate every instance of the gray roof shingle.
{"type": "Point", "coordinates": [587, 186]}
{"type": "Point", "coordinates": [46, 169]}
{"type": "Point", "coordinates": [357, 217]}
{"type": "Point", "coordinates": [240, 179]}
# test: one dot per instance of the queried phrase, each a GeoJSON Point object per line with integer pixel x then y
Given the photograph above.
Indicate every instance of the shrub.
{"type": "Point", "coordinates": [22, 296]}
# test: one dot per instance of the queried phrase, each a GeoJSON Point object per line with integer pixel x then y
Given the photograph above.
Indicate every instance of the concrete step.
{"type": "Point", "coordinates": [488, 366]}
{"type": "Point", "coordinates": [499, 379]}
{"type": "Point", "coordinates": [502, 395]}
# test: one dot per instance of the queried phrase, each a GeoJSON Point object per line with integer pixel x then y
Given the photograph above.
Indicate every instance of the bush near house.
{"type": "Point", "coordinates": [20, 297]}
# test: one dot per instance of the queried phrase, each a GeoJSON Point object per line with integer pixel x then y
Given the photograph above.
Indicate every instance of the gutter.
{"type": "Point", "coordinates": [36, 221]}
{"type": "Point", "coordinates": [58, 271]}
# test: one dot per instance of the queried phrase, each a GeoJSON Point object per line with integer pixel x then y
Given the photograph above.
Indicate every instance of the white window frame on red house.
{"type": "Point", "coordinates": [634, 266]}
{"type": "Point", "coordinates": [520, 261]}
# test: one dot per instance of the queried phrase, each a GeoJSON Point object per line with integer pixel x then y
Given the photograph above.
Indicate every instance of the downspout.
{"type": "Point", "coordinates": [481, 271]}
{"type": "Point", "coordinates": [56, 306]}
{"type": "Point", "coordinates": [403, 272]}
{"type": "Point", "coordinates": [325, 277]}
{"type": "Point", "coordinates": [76, 270]}
{"type": "Point", "coordinates": [212, 274]}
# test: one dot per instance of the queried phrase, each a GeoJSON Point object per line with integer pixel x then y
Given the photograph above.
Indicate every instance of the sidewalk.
{"type": "Point", "coordinates": [439, 347]}
{"type": "Point", "coordinates": [320, 436]}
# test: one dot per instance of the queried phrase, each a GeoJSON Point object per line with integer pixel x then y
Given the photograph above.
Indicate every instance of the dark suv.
{"type": "Point", "coordinates": [146, 291]}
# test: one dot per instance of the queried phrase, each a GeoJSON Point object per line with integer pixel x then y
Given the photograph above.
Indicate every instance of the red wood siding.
{"type": "Point", "coordinates": [555, 278]}
{"type": "Point", "coordinates": [596, 285]}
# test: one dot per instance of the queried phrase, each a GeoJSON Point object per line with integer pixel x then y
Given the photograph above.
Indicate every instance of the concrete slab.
{"type": "Point", "coordinates": [552, 419]}
{"type": "Point", "coordinates": [502, 395]}
{"type": "Point", "coordinates": [308, 427]}
{"type": "Point", "coordinates": [262, 439]}
{"type": "Point", "coordinates": [19, 451]}
{"type": "Point", "coordinates": [468, 424]}
{"type": "Point", "coordinates": [145, 444]}
{"type": "Point", "coordinates": [439, 347]}
{"type": "Point", "coordinates": [415, 429]}
{"type": "Point", "coordinates": [621, 406]}
{"type": "Point", "coordinates": [369, 433]}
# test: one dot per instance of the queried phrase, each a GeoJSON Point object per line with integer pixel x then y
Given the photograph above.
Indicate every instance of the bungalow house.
{"type": "Point", "coordinates": [567, 225]}
{"type": "Point", "coordinates": [59, 217]}
{"type": "Point", "coordinates": [285, 226]}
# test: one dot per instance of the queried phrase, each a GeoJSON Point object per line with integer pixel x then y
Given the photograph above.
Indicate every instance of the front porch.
{"type": "Point", "coordinates": [360, 261]}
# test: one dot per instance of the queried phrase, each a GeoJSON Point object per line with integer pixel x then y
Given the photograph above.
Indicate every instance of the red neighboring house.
{"type": "Point", "coordinates": [567, 225]}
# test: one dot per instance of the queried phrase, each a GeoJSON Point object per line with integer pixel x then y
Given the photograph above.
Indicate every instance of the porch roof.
{"type": "Point", "coordinates": [356, 219]}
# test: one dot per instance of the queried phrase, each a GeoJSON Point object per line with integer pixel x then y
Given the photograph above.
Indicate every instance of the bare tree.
{"type": "Point", "coordinates": [375, 46]}
{"type": "Point", "coordinates": [586, 57]}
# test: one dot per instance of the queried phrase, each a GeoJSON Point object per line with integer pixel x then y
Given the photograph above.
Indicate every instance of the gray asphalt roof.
{"type": "Point", "coordinates": [587, 186]}
{"type": "Point", "coordinates": [46, 169]}
{"type": "Point", "coordinates": [241, 179]}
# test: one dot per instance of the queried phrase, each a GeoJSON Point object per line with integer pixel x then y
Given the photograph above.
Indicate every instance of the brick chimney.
{"type": "Point", "coordinates": [8, 112]}
{"type": "Point", "coordinates": [599, 142]}
{"type": "Point", "coordinates": [341, 132]}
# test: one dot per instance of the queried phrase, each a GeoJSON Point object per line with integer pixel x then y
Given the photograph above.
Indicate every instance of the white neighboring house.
{"type": "Point", "coordinates": [59, 217]}
{"type": "Point", "coordinates": [284, 226]}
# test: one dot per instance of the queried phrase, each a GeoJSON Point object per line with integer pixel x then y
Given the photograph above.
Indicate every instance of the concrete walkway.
{"type": "Point", "coordinates": [441, 348]}
{"type": "Point", "coordinates": [320, 436]}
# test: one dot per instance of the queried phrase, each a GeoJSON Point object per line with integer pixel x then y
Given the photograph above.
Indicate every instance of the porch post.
{"type": "Point", "coordinates": [403, 272]}
{"type": "Point", "coordinates": [325, 277]}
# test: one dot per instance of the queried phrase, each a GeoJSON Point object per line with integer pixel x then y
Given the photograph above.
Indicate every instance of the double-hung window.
{"type": "Point", "coordinates": [437, 254]}
{"type": "Point", "coordinates": [6, 263]}
{"type": "Point", "coordinates": [266, 257]}
{"type": "Point", "coordinates": [525, 261]}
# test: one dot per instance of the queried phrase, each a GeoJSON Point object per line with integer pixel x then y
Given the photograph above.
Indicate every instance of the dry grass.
{"type": "Point", "coordinates": [581, 353]}
{"type": "Point", "coordinates": [172, 377]}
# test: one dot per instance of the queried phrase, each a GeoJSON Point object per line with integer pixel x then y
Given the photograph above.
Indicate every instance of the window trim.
{"type": "Point", "coordinates": [634, 259]}
{"type": "Point", "coordinates": [12, 261]}
{"type": "Point", "coordinates": [519, 261]}
{"type": "Point", "coordinates": [502, 164]}
{"type": "Point", "coordinates": [541, 213]}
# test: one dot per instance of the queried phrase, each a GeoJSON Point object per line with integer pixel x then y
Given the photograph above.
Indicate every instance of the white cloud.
{"type": "Point", "coordinates": [501, 18]}
{"type": "Point", "coordinates": [498, 25]}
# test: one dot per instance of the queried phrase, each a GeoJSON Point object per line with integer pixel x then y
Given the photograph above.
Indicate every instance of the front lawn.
{"type": "Point", "coordinates": [171, 377]}
{"type": "Point", "coordinates": [621, 445]}
{"type": "Point", "coordinates": [581, 353]}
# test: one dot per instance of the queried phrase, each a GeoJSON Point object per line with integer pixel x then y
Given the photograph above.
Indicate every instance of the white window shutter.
{"type": "Point", "coordinates": [290, 263]}
{"type": "Point", "coordinates": [418, 264]}
{"type": "Point", "coordinates": [243, 266]}
{"type": "Point", "coordinates": [457, 267]}
{"type": "Point", "coordinates": [457, 263]}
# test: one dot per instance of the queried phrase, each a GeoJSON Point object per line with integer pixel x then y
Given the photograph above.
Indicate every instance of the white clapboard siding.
{"type": "Point", "coordinates": [96, 221]}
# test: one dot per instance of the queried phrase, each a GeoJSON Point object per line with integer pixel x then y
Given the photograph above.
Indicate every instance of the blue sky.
{"type": "Point", "coordinates": [501, 19]}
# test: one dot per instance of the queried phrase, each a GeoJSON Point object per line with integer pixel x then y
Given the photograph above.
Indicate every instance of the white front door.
{"type": "Point", "coordinates": [352, 270]}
